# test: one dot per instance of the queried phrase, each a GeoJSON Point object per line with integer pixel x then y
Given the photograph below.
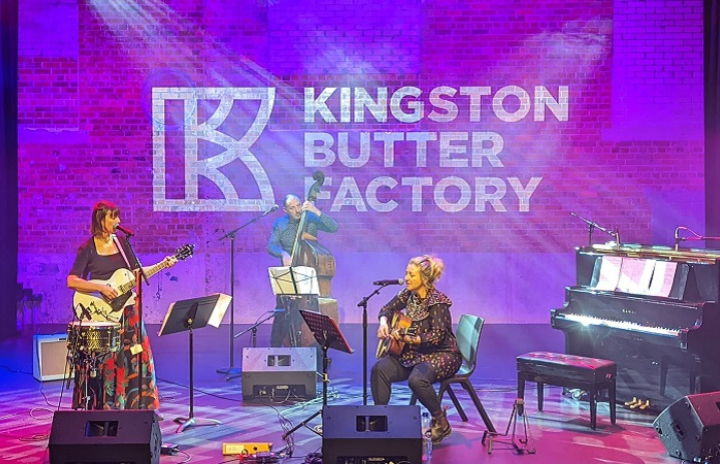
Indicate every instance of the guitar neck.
{"type": "Point", "coordinates": [152, 270]}
{"type": "Point", "coordinates": [294, 257]}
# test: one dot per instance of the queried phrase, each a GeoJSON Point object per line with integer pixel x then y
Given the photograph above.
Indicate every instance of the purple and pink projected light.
{"type": "Point", "coordinates": [470, 131]}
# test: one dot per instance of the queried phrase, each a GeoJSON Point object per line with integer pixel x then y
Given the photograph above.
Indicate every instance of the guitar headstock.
{"type": "Point", "coordinates": [184, 252]}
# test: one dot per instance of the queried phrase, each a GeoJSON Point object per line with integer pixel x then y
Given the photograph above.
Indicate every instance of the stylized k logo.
{"type": "Point", "coordinates": [209, 167]}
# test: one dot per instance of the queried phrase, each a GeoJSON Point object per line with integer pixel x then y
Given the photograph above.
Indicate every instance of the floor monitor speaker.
{"type": "Point", "coordinates": [690, 427]}
{"type": "Point", "coordinates": [377, 434]}
{"type": "Point", "coordinates": [127, 436]}
{"type": "Point", "coordinates": [279, 373]}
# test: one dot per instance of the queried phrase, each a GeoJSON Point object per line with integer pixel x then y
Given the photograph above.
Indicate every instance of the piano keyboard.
{"type": "Point", "coordinates": [621, 325]}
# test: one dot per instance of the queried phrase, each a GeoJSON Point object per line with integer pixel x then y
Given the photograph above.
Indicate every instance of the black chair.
{"type": "Point", "coordinates": [468, 339]}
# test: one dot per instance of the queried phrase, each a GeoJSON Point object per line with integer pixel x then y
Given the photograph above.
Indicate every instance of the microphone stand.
{"type": "Point", "coordinates": [253, 329]}
{"type": "Point", "coordinates": [139, 272]}
{"type": "Point", "coordinates": [695, 237]}
{"type": "Point", "coordinates": [232, 370]}
{"type": "Point", "coordinates": [592, 226]}
{"type": "Point", "coordinates": [363, 305]}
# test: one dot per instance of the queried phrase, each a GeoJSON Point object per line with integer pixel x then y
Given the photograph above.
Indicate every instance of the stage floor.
{"type": "Point", "coordinates": [561, 431]}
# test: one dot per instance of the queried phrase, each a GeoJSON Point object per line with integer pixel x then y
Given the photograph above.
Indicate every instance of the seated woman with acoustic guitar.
{"type": "Point", "coordinates": [425, 350]}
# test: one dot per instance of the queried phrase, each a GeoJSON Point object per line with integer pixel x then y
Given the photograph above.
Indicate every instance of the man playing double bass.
{"type": "Point", "coordinates": [285, 228]}
{"type": "Point", "coordinates": [282, 240]}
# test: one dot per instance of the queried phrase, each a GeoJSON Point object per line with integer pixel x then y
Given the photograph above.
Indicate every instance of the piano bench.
{"type": "Point", "coordinates": [566, 370]}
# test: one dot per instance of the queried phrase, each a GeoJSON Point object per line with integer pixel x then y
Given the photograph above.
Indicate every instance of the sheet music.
{"type": "Point", "coordinates": [220, 307]}
{"type": "Point", "coordinates": [210, 311]}
{"type": "Point", "coordinates": [663, 278]}
{"type": "Point", "coordinates": [296, 280]}
{"type": "Point", "coordinates": [609, 273]}
{"type": "Point", "coordinates": [635, 275]}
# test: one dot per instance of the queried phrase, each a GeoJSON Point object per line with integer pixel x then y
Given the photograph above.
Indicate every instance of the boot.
{"type": "Point", "coordinates": [440, 427]}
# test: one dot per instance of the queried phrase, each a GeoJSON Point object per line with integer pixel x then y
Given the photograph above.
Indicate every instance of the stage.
{"type": "Point", "coordinates": [561, 431]}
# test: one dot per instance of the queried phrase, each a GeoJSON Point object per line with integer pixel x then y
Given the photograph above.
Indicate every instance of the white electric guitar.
{"type": "Point", "coordinates": [98, 308]}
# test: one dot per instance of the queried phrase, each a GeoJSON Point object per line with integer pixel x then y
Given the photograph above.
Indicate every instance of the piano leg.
{"type": "Point", "coordinates": [521, 390]}
{"type": "Point", "coordinates": [612, 394]}
{"type": "Point", "coordinates": [693, 383]}
{"type": "Point", "coordinates": [593, 408]}
{"type": "Point", "coordinates": [692, 376]}
{"type": "Point", "coordinates": [663, 374]}
{"type": "Point", "coordinates": [541, 395]}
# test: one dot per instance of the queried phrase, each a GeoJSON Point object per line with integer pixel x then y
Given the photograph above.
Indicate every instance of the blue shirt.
{"type": "Point", "coordinates": [284, 231]}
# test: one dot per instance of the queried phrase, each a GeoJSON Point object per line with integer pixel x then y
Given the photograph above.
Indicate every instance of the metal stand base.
{"type": "Point", "coordinates": [526, 444]}
{"type": "Point", "coordinates": [186, 423]}
{"type": "Point", "coordinates": [229, 371]}
{"type": "Point", "coordinates": [303, 424]}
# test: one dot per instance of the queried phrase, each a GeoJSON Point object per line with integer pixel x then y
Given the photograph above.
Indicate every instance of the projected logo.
{"type": "Point", "coordinates": [177, 147]}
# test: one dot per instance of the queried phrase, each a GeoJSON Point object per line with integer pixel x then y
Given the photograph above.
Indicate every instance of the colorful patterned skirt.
{"type": "Point", "coordinates": [110, 380]}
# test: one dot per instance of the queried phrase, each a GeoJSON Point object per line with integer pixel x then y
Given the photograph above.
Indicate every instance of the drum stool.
{"type": "Point", "coordinates": [566, 370]}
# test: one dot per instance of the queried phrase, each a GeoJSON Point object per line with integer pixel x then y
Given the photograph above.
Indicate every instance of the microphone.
{"type": "Point", "coordinates": [389, 282]}
{"type": "Point", "coordinates": [124, 230]}
{"type": "Point", "coordinates": [678, 238]}
{"type": "Point", "coordinates": [272, 209]}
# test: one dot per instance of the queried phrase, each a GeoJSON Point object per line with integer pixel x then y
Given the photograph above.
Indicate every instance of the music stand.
{"type": "Point", "coordinates": [290, 283]}
{"type": "Point", "coordinates": [294, 280]}
{"type": "Point", "coordinates": [187, 315]}
{"type": "Point", "coordinates": [327, 333]}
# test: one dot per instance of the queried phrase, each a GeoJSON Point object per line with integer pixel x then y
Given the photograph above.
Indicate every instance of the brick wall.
{"type": "Point", "coordinates": [629, 153]}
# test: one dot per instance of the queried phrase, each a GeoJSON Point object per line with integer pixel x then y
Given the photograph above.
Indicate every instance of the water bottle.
{"type": "Point", "coordinates": [427, 437]}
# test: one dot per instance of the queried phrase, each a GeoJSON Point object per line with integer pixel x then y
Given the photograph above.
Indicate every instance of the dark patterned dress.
{"type": "Point", "coordinates": [431, 316]}
{"type": "Point", "coordinates": [114, 382]}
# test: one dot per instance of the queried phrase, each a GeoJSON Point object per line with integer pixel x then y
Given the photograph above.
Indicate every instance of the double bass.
{"type": "Point", "coordinates": [307, 250]}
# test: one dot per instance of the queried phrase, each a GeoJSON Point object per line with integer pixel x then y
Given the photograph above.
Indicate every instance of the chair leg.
{"type": "Point", "coordinates": [413, 399]}
{"type": "Point", "coordinates": [479, 406]}
{"type": "Point", "coordinates": [441, 391]}
{"type": "Point", "coordinates": [455, 401]}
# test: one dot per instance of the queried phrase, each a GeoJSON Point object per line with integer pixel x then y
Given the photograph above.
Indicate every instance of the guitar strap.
{"type": "Point", "coordinates": [122, 250]}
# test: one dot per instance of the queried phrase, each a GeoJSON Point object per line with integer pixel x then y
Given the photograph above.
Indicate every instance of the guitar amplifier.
{"type": "Point", "coordinates": [50, 357]}
{"type": "Point", "coordinates": [279, 373]}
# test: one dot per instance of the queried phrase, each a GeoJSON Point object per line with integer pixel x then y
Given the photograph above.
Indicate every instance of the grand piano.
{"type": "Point", "coordinates": [654, 311]}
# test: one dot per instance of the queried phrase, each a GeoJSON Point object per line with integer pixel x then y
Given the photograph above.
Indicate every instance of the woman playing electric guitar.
{"type": "Point", "coordinates": [97, 259]}
{"type": "Point", "coordinates": [430, 353]}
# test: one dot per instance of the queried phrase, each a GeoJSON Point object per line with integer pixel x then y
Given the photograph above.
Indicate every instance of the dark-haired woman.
{"type": "Point", "coordinates": [111, 380]}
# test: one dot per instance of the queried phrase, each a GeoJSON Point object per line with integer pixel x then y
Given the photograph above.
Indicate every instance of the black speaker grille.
{"type": "Point", "coordinates": [126, 436]}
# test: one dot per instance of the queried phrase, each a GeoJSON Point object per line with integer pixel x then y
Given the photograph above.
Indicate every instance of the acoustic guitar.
{"type": "Point", "coordinates": [390, 346]}
{"type": "Point", "coordinates": [98, 308]}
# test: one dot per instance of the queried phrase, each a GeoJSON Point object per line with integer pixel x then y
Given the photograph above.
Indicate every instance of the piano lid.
{"type": "Point", "coordinates": [655, 252]}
